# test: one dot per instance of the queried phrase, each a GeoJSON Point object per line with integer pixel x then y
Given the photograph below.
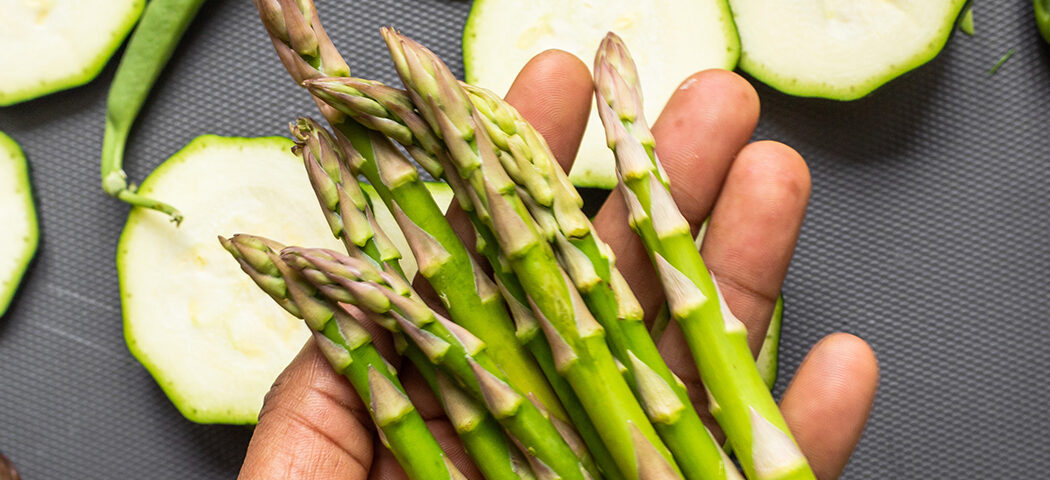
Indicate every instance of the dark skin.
{"type": "Point", "coordinates": [313, 425]}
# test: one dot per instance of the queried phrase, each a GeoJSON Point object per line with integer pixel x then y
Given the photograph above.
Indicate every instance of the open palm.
{"type": "Point", "coordinates": [313, 424]}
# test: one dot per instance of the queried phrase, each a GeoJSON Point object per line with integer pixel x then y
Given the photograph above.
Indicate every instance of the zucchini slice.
{"type": "Point", "coordinates": [211, 339]}
{"type": "Point", "coordinates": [839, 49]}
{"type": "Point", "coordinates": [19, 235]}
{"type": "Point", "coordinates": [58, 44]}
{"type": "Point", "coordinates": [671, 40]}
{"type": "Point", "coordinates": [1042, 17]}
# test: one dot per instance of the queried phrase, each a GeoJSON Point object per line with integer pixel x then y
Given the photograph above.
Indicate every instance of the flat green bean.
{"type": "Point", "coordinates": [152, 44]}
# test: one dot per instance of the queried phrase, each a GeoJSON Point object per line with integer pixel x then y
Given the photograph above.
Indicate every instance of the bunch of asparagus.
{"type": "Point", "coordinates": [537, 351]}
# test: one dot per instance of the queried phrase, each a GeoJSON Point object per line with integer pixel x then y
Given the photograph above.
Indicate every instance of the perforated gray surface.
{"type": "Point", "coordinates": [927, 235]}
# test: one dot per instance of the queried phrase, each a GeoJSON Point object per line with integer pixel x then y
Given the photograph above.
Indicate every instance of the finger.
{"type": "Point", "coordinates": [312, 425]}
{"type": "Point", "coordinates": [702, 128]}
{"type": "Point", "coordinates": [553, 92]}
{"type": "Point", "coordinates": [829, 400]}
{"type": "Point", "coordinates": [753, 231]}
{"type": "Point", "coordinates": [749, 242]}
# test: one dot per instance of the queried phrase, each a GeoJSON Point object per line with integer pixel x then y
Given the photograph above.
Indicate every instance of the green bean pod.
{"type": "Point", "coordinates": [151, 45]}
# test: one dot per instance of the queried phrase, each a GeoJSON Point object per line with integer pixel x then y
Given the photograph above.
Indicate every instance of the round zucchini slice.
{"type": "Point", "coordinates": [52, 45]}
{"type": "Point", "coordinates": [19, 235]}
{"type": "Point", "coordinates": [211, 339]}
{"type": "Point", "coordinates": [670, 40]}
{"type": "Point", "coordinates": [839, 49]}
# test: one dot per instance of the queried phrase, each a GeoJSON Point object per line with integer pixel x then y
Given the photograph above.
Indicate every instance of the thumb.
{"type": "Point", "coordinates": [312, 425]}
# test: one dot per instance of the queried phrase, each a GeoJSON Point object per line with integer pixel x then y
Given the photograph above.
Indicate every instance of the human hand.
{"type": "Point", "coordinates": [313, 425]}
{"type": "Point", "coordinates": [7, 469]}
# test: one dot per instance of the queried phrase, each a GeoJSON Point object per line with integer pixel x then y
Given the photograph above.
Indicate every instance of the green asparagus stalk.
{"type": "Point", "coordinates": [349, 349]}
{"type": "Point", "coordinates": [343, 202]}
{"type": "Point", "coordinates": [390, 111]}
{"type": "Point", "coordinates": [577, 341]}
{"type": "Point", "coordinates": [345, 279]}
{"type": "Point", "coordinates": [351, 219]}
{"type": "Point", "coordinates": [740, 400]}
{"type": "Point", "coordinates": [592, 267]}
{"type": "Point", "coordinates": [481, 434]}
{"type": "Point", "coordinates": [307, 52]}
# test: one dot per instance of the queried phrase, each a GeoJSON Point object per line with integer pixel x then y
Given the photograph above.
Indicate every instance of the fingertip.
{"type": "Point", "coordinates": [558, 63]}
{"type": "Point", "coordinates": [829, 400]}
{"type": "Point", "coordinates": [735, 88]}
{"type": "Point", "coordinates": [861, 360]}
{"type": "Point", "coordinates": [718, 94]}
{"type": "Point", "coordinates": [702, 128]}
{"type": "Point", "coordinates": [779, 172]}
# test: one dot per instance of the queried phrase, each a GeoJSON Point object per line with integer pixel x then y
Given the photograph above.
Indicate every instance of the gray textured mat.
{"type": "Point", "coordinates": [927, 235]}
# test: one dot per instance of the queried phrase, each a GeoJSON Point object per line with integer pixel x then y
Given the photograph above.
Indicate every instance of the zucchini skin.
{"type": "Point", "coordinates": [28, 251]}
{"type": "Point", "coordinates": [1042, 17]}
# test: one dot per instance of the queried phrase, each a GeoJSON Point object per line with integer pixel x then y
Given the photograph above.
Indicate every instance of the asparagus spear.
{"type": "Point", "coordinates": [307, 52]}
{"type": "Point", "coordinates": [593, 270]}
{"type": "Point", "coordinates": [351, 219]}
{"type": "Point", "coordinates": [740, 400]}
{"type": "Point", "coordinates": [390, 111]}
{"type": "Point", "coordinates": [343, 202]}
{"type": "Point", "coordinates": [578, 342]}
{"type": "Point", "coordinates": [345, 279]}
{"type": "Point", "coordinates": [481, 434]}
{"type": "Point", "coordinates": [349, 349]}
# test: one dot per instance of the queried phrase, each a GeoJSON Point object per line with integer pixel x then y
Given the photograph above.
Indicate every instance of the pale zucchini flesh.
{"type": "Point", "coordinates": [670, 40]}
{"type": "Point", "coordinates": [211, 339]}
{"type": "Point", "coordinates": [52, 45]}
{"type": "Point", "coordinates": [18, 223]}
{"type": "Point", "coordinates": [839, 49]}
